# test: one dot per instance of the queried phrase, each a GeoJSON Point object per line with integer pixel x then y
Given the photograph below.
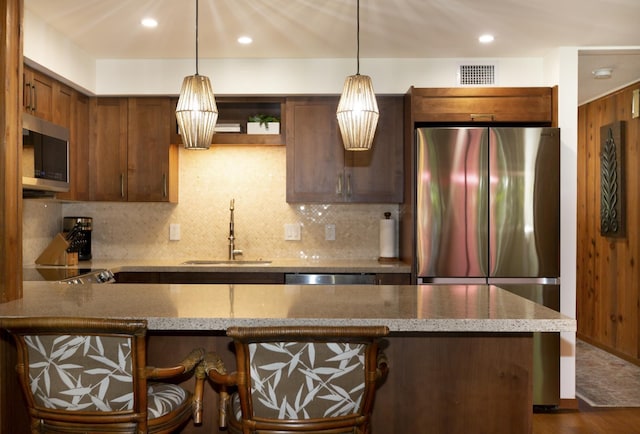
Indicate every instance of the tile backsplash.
{"type": "Point", "coordinates": [255, 177]}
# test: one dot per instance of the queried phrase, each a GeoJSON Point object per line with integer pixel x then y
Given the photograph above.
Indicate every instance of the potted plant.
{"type": "Point", "coordinates": [263, 124]}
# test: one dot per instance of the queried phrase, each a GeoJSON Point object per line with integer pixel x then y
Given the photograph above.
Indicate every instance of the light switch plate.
{"type": "Point", "coordinates": [292, 231]}
{"type": "Point", "coordinates": [330, 232]}
{"type": "Point", "coordinates": [174, 232]}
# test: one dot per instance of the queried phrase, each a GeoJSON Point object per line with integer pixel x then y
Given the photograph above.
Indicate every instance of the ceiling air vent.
{"type": "Point", "coordinates": [476, 75]}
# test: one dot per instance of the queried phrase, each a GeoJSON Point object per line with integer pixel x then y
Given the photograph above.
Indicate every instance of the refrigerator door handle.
{"type": "Point", "coordinates": [452, 280]}
{"type": "Point", "coordinates": [524, 280]}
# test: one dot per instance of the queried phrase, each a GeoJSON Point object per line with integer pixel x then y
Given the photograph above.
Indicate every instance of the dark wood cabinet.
{"type": "Point", "coordinates": [152, 169]}
{"type": "Point", "coordinates": [495, 104]}
{"type": "Point", "coordinates": [131, 155]}
{"type": "Point", "coordinates": [222, 277]}
{"type": "Point", "coordinates": [319, 170]}
{"type": "Point", "coordinates": [78, 148]}
{"type": "Point", "coordinates": [393, 278]}
{"type": "Point", "coordinates": [62, 105]}
{"type": "Point", "coordinates": [38, 94]}
{"type": "Point", "coordinates": [108, 149]}
{"type": "Point", "coordinates": [54, 101]}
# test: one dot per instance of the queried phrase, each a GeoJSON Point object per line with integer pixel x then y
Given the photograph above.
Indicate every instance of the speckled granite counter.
{"type": "Point", "coordinates": [462, 352]}
{"type": "Point", "coordinates": [441, 308]}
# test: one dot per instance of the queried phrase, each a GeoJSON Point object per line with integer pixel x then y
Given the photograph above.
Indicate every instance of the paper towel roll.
{"type": "Point", "coordinates": [387, 238]}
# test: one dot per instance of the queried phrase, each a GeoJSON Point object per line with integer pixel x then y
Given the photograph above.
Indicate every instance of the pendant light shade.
{"type": "Point", "coordinates": [358, 113]}
{"type": "Point", "coordinates": [358, 109]}
{"type": "Point", "coordinates": [196, 112]}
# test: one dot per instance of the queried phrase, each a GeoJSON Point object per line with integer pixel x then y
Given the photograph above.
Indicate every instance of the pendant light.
{"type": "Point", "coordinates": [196, 111]}
{"type": "Point", "coordinates": [358, 109]}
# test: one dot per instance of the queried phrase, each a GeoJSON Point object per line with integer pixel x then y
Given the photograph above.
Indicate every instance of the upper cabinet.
{"type": "Point", "coordinates": [496, 104]}
{"type": "Point", "coordinates": [38, 94]}
{"type": "Point", "coordinates": [131, 152]}
{"type": "Point", "coordinates": [152, 163]}
{"type": "Point", "coordinates": [319, 170]}
{"type": "Point", "coordinates": [78, 123]}
{"type": "Point", "coordinates": [56, 102]}
{"type": "Point", "coordinates": [233, 115]}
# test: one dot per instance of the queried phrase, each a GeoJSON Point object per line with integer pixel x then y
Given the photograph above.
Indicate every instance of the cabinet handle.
{"type": "Point", "coordinates": [122, 185]}
{"type": "Point", "coordinates": [349, 185]}
{"type": "Point", "coordinates": [477, 116]}
{"type": "Point", "coordinates": [164, 185]}
{"type": "Point", "coordinates": [35, 98]}
{"type": "Point", "coordinates": [339, 184]}
{"type": "Point", "coordinates": [27, 96]}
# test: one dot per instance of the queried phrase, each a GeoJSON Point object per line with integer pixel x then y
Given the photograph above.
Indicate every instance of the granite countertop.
{"type": "Point", "coordinates": [275, 266]}
{"type": "Point", "coordinates": [424, 308]}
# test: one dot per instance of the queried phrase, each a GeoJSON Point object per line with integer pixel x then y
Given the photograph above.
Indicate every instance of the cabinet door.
{"type": "Point", "coordinates": [497, 104]}
{"type": "Point", "coordinates": [149, 137]}
{"type": "Point", "coordinates": [315, 155]}
{"type": "Point", "coordinates": [108, 149]}
{"type": "Point", "coordinates": [78, 146]}
{"type": "Point", "coordinates": [376, 175]}
{"type": "Point", "coordinates": [80, 139]}
{"type": "Point", "coordinates": [38, 94]}
{"type": "Point", "coordinates": [61, 104]}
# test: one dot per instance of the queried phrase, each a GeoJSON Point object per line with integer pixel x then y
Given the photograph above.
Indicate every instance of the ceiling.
{"type": "Point", "coordinates": [388, 29]}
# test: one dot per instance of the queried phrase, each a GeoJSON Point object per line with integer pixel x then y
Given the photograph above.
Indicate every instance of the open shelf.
{"type": "Point", "coordinates": [238, 110]}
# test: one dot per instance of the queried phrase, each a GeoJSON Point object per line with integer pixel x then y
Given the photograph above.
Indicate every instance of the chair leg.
{"type": "Point", "coordinates": [198, 393]}
{"type": "Point", "coordinates": [222, 407]}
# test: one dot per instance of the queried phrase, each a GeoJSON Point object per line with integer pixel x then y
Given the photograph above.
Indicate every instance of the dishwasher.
{"type": "Point", "coordinates": [330, 279]}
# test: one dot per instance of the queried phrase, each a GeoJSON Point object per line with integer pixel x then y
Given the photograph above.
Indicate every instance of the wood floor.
{"type": "Point", "coordinates": [588, 420]}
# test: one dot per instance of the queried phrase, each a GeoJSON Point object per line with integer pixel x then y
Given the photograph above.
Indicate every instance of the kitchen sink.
{"type": "Point", "coordinates": [225, 262]}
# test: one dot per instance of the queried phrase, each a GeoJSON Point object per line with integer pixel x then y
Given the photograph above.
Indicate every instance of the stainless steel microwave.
{"type": "Point", "coordinates": [45, 155]}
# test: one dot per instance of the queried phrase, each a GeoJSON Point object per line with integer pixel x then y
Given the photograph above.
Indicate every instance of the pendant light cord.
{"type": "Point", "coordinates": [358, 38]}
{"type": "Point", "coordinates": [197, 1]}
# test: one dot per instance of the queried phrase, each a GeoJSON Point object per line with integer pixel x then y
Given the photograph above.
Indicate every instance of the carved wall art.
{"type": "Point", "coordinates": [612, 192]}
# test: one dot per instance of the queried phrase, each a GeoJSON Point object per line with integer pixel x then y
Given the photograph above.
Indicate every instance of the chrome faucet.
{"type": "Point", "coordinates": [232, 248]}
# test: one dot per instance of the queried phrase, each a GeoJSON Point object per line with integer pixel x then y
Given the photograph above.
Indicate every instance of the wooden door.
{"type": "Point", "coordinates": [376, 175]}
{"type": "Point", "coordinates": [108, 149]}
{"type": "Point", "coordinates": [315, 155]}
{"type": "Point", "coordinates": [149, 137]}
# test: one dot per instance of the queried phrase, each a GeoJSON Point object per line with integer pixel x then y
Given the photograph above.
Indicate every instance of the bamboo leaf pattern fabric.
{"type": "Point", "coordinates": [91, 373]}
{"type": "Point", "coordinates": [304, 380]}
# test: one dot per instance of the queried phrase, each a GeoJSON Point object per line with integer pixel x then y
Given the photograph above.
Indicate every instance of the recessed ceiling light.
{"type": "Point", "coordinates": [601, 73]}
{"type": "Point", "coordinates": [149, 22]}
{"type": "Point", "coordinates": [485, 39]}
{"type": "Point", "coordinates": [245, 40]}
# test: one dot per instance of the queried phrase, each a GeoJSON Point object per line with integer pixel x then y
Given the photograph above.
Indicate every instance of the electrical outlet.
{"type": "Point", "coordinates": [174, 232]}
{"type": "Point", "coordinates": [330, 232]}
{"type": "Point", "coordinates": [292, 231]}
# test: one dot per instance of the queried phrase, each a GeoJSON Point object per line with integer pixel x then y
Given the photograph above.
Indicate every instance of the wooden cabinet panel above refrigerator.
{"type": "Point", "coordinates": [495, 104]}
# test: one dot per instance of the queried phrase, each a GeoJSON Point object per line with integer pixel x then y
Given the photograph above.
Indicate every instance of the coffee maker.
{"type": "Point", "coordinates": [78, 231]}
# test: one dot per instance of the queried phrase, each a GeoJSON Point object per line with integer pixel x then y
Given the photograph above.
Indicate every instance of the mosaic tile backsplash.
{"type": "Point", "coordinates": [255, 177]}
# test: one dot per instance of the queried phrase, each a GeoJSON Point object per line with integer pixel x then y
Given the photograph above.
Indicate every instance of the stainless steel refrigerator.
{"type": "Point", "coordinates": [488, 211]}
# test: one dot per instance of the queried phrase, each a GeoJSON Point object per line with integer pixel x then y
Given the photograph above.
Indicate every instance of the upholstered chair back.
{"type": "Point", "coordinates": [300, 379]}
{"type": "Point", "coordinates": [90, 375]}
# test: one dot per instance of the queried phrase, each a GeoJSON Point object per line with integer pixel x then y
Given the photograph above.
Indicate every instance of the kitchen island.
{"type": "Point", "coordinates": [460, 356]}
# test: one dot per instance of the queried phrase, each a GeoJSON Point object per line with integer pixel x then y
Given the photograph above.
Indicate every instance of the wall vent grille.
{"type": "Point", "coordinates": [476, 75]}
